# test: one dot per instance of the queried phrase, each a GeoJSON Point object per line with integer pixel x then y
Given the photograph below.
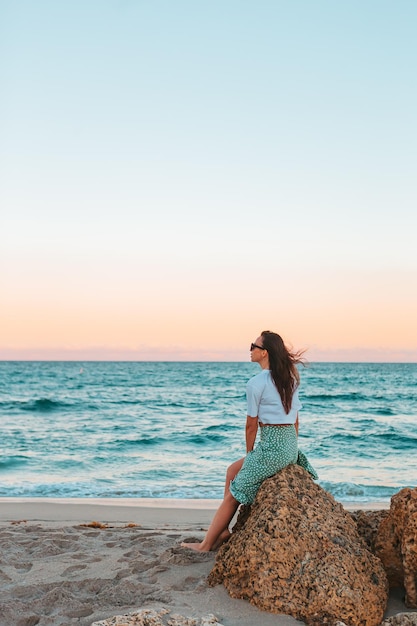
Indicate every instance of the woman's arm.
{"type": "Point", "coordinates": [296, 425]}
{"type": "Point", "coordinates": [251, 430]}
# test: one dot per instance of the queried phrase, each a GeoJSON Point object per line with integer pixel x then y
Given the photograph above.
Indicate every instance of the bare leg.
{"type": "Point", "coordinates": [223, 537]}
{"type": "Point", "coordinates": [218, 527]}
{"type": "Point", "coordinates": [218, 531]}
{"type": "Point", "coordinates": [232, 470]}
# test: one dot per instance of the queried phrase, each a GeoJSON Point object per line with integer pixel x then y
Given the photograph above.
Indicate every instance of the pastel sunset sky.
{"type": "Point", "coordinates": [179, 175]}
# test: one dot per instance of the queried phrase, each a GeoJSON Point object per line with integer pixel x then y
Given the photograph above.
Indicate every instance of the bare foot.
{"type": "Point", "coordinates": [193, 546]}
{"type": "Point", "coordinates": [200, 547]}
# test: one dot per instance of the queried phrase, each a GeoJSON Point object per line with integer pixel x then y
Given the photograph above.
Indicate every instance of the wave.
{"type": "Point", "coordinates": [203, 439]}
{"type": "Point", "coordinates": [394, 441]}
{"type": "Point", "coordinates": [221, 428]}
{"type": "Point", "coordinates": [145, 440]}
{"type": "Point", "coordinates": [353, 492]}
{"type": "Point", "coordinates": [343, 492]}
{"type": "Point", "coordinates": [12, 461]}
{"type": "Point", "coordinates": [89, 490]}
{"type": "Point", "coordinates": [374, 442]}
{"type": "Point", "coordinates": [39, 405]}
{"type": "Point", "coordinates": [353, 396]}
{"type": "Point", "coordinates": [385, 411]}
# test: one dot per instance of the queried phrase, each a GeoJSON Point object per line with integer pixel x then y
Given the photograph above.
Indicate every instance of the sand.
{"type": "Point", "coordinates": [78, 561]}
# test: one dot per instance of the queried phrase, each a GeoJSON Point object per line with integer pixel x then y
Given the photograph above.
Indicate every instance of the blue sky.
{"type": "Point", "coordinates": [170, 167]}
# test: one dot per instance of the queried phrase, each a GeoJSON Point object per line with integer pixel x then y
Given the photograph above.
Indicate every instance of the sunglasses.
{"type": "Point", "coordinates": [254, 345]}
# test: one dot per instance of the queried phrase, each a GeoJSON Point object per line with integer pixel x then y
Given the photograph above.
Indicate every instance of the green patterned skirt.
{"type": "Point", "coordinates": [277, 448]}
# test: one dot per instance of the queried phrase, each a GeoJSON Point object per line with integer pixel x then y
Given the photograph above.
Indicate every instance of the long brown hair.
{"type": "Point", "coordinates": [283, 365]}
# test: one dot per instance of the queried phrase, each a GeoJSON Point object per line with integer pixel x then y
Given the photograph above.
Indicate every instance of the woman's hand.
{"type": "Point", "coordinates": [251, 431]}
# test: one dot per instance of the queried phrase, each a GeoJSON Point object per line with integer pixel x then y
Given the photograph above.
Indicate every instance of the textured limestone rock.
{"type": "Point", "coordinates": [396, 543]}
{"type": "Point", "coordinates": [160, 617]}
{"type": "Point", "coordinates": [368, 523]}
{"type": "Point", "coordinates": [401, 619]}
{"type": "Point", "coordinates": [299, 553]}
{"type": "Point", "coordinates": [383, 541]}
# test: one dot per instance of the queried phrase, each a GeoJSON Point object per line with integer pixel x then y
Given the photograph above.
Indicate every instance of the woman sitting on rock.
{"type": "Point", "coordinates": [273, 404]}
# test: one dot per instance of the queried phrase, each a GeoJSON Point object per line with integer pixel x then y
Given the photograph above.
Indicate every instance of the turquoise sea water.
{"type": "Point", "coordinates": [169, 430]}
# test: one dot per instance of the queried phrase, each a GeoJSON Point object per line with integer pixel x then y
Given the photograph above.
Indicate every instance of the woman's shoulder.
{"type": "Point", "coordinates": [259, 379]}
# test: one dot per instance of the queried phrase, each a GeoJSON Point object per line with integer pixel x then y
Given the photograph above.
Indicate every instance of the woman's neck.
{"type": "Point", "coordinates": [264, 363]}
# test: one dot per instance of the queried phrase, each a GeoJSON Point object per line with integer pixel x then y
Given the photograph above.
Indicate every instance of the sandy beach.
{"type": "Point", "coordinates": [77, 561]}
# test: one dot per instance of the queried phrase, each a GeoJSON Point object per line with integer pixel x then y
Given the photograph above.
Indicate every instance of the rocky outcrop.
{"type": "Point", "coordinates": [377, 529]}
{"type": "Point", "coordinates": [396, 543]}
{"type": "Point", "coordinates": [392, 537]}
{"type": "Point", "coordinates": [299, 553]}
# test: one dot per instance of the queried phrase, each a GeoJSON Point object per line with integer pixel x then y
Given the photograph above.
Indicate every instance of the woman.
{"type": "Point", "coordinates": [273, 404]}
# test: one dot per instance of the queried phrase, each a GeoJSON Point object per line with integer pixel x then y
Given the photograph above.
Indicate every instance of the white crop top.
{"type": "Point", "coordinates": [264, 401]}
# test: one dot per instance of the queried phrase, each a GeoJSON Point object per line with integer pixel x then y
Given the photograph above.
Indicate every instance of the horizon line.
{"type": "Point", "coordinates": [179, 354]}
{"type": "Point", "coordinates": [115, 360]}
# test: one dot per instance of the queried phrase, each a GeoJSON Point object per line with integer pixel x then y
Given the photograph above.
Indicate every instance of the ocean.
{"type": "Point", "coordinates": [169, 430]}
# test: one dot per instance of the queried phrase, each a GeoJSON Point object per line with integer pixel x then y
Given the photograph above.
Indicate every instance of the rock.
{"type": "Point", "coordinates": [145, 617]}
{"type": "Point", "coordinates": [161, 617]}
{"type": "Point", "coordinates": [392, 536]}
{"type": "Point", "coordinates": [401, 619]}
{"type": "Point", "coordinates": [299, 553]}
{"type": "Point", "coordinates": [368, 523]}
{"type": "Point", "coordinates": [387, 547]}
{"type": "Point", "coordinates": [396, 543]}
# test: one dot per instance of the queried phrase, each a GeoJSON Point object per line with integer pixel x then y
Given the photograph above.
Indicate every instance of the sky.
{"type": "Point", "coordinates": [177, 176]}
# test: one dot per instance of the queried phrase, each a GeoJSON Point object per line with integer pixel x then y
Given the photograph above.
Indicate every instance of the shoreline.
{"type": "Point", "coordinates": [146, 512]}
{"type": "Point", "coordinates": [153, 512]}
